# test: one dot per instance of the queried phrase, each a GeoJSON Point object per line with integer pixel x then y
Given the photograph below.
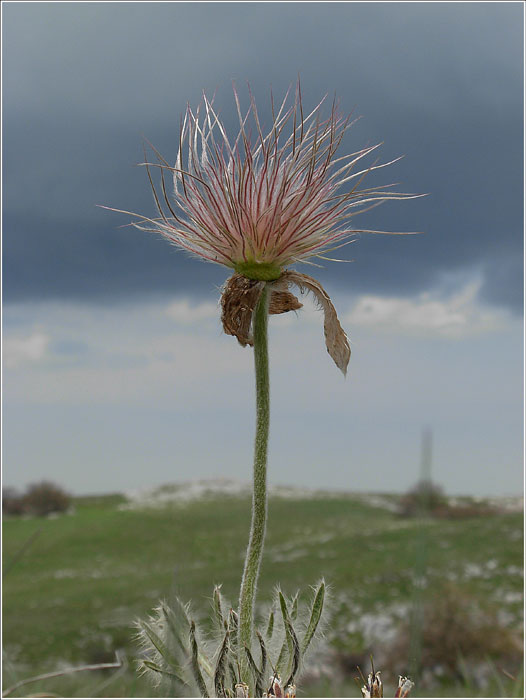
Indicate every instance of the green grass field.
{"type": "Point", "coordinates": [74, 584]}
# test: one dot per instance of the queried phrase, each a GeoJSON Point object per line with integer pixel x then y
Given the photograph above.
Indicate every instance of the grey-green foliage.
{"type": "Point", "coordinates": [182, 661]}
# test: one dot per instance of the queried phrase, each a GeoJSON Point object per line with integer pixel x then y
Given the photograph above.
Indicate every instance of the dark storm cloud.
{"type": "Point", "coordinates": [441, 83]}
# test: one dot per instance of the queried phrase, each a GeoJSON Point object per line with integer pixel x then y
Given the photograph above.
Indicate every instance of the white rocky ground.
{"type": "Point", "coordinates": [189, 491]}
{"type": "Point", "coordinates": [186, 492]}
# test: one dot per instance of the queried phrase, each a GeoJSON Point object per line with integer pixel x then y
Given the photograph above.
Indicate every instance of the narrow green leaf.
{"type": "Point", "coordinates": [283, 661]}
{"type": "Point", "coordinates": [281, 658]}
{"type": "Point", "coordinates": [159, 644]}
{"type": "Point", "coordinates": [232, 627]}
{"type": "Point", "coordinates": [286, 619]}
{"type": "Point", "coordinates": [171, 623]}
{"type": "Point", "coordinates": [218, 607]}
{"type": "Point", "coordinates": [233, 675]}
{"type": "Point", "coordinates": [291, 641]}
{"type": "Point", "coordinates": [295, 656]}
{"type": "Point", "coordinates": [294, 607]}
{"type": "Point", "coordinates": [171, 620]}
{"type": "Point", "coordinates": [233, 622]}
{"type": "Point", "coordinates": [221, 665]}
{"type": "Point", "coordinates": [195, 662]}
{"type": "Point", "coordinates": [154, 667]}
{"type": "Point", "coordinates": [263, 653]}
{"type": "Point", "coordinates": [315, 616]}
{"type": "Point", "coordinates": [270, 626]}
{"type": "Point", "coordinates": [258, 673]}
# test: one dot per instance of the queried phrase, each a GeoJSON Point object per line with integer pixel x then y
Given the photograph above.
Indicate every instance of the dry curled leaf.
{"type": "Point", "coordinates": [335, 338]}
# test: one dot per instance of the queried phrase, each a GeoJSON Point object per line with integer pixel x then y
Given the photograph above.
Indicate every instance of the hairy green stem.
{"type": "Point", "coordinates": [259, 497]}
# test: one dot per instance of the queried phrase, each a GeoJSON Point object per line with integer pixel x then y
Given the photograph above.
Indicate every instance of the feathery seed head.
{"type": "Point", "coordinates": [266, 199]}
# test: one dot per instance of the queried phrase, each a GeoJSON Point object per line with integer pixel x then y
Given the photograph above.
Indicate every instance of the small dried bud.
{"type": "Point", "coordinates": [290, 691]}
{"type": "Point", "coordinates": [241, 690]}
{"type": "Point", "coordinates": [275, 690]}
{"type": "Point", "coordinates": [373, 688]}
{"type": "Point", "coordinates": [405, 686]}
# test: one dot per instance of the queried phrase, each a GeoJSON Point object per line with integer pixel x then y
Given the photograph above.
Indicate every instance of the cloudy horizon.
{"type": "Point", "coordinates": [116, 373]}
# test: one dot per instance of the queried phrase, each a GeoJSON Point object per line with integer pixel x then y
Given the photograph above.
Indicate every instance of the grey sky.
{"type": "Point", "coordinates": [116, 372]}
{"type": "Point", "coordinates": [438, 82]}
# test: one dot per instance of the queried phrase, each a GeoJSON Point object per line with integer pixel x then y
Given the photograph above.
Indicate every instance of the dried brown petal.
{"type": "Point", "coordinates": [283, 301]}
{"type": "Point", "coordinates": [241, 295]}
{"type": "Point", "coordinates": [238, 301]}
{"type": "Point", "coordinates": [335, 338]}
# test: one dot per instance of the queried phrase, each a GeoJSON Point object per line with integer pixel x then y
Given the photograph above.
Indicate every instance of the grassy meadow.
{"type": "Point", "coordinates": [438, 598]}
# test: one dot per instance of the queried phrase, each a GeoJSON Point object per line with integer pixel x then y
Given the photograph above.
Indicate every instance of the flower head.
{"type": "Point", "coordinates": [267, 198]}
{"type": "Point", "coordinates": [264, 200]}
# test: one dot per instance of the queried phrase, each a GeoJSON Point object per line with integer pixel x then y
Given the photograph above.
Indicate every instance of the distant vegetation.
{"type": "Point", "coordinates": [39, 499]}
{"type": "Point", "coordinates": [425, 498]}
{"type": "Point", "coordinates": [438, 598]}
{"type": "Point", "coordinates": [428, 499]}
{"type": "Point", "coordinates": [457, 633]}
